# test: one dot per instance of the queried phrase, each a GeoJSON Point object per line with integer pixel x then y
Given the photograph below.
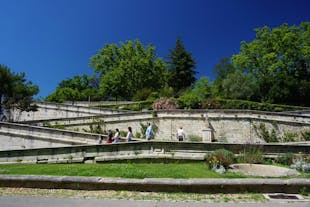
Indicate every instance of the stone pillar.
{"type": "Point", "coordinates": [207, 135]}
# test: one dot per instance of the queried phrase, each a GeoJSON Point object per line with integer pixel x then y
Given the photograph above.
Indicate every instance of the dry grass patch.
{"type": "Point", "coordinates": [134, 195]}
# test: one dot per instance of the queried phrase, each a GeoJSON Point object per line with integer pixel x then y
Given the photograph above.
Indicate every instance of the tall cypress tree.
{"type": "Point", "coordinates": [181, 67]}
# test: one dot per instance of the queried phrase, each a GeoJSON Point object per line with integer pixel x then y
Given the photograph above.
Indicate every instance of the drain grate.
{"type": "Point", "coordinates": [281, 196]}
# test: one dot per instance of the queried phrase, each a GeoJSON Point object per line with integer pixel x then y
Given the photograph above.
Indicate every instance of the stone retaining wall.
{"type": "Point", "coordinates": [158, 184]}
{"type": "Point", "coordinates": [137, 150]}
{"type": "Point", "coordinates": [233, 126]}
{"type": "Point", "coordinates": [20, 136]}
{"type": "Point", "coordinates": [52, 110]}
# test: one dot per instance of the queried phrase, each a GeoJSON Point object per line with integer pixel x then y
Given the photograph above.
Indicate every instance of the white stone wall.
{"type": "Point", "coordinates": [14, 142]}
{"type": "Point", "coordinates": [19, 136]}
{"type": "Point", "coordinates": [237, 127]}
{"type": "Point", "coordinates": [58, 111]}
{"type": "Point", "coordinates": [230, 126]}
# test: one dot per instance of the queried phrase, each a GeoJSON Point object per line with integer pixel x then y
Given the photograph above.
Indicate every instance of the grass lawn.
{"type": "Point", "coordinates": [126, 170]}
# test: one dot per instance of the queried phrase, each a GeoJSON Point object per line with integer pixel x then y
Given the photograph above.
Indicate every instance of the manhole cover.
{"type": "Point", "coordinates": [281, 196]}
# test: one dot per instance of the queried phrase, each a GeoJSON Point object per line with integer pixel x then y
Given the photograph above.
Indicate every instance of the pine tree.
{"type": "Point", "coordinates": [181, 67]}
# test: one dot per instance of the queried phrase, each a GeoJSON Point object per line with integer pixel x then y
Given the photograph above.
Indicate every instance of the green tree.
{"type": "Point", "coordinates": [64, 94]}
{"type": "Point", "coordinates": [279, 60]}
{"type": "Point", "coordinates": [15, 91]}
{"type": "Point", "coordinates": [181, 67]}
{"type": "Point", "coordinates": [200, 91]}
{"type": "Point", "coordinates": [126, 68]}
{"type": "Point", "coordinates": [78, 88]}
{"type": "Point", "coordinates": [238, 85]}
{"type": "Point", "coordinates": [202, 88]}
{"type": "Point", "coordinates": [222, 70]}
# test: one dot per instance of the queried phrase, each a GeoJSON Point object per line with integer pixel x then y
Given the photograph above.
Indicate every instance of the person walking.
{"type": "Point", "coordinates": [129, 134]}
{"type": "Point", "coordinates": [181, 134]}
{"type": "Point", "coordinates": [110, 137]}
{"type": "Point", "coordinates": [149, 132]}
{"type": "Point", "coordinates": [116, 137]}
{"type": "Point", "coordinates": [100, 139]}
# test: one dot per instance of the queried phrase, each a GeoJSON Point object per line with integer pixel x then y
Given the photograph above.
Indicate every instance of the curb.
{"type": "Point", "coordinates": [295, 185]}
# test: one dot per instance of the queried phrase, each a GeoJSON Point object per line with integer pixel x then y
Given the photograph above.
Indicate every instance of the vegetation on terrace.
{"type": "Point", "coordinates": [272, 69]}
{"type": "Point", "coordinates": [126, 170]}
{"type": "Point", "coordinates": [168, 169]}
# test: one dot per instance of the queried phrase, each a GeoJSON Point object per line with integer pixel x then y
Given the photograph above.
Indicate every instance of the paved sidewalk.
{"type": "Point", "coordinates": [25, 201]}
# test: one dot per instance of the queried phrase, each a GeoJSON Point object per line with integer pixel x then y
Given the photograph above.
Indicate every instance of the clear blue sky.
{"type": "Point", "coordinates": [51, 40]}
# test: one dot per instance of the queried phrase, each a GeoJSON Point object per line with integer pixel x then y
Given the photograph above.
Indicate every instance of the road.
{"type": "Point", "coordinates": [26, 201]}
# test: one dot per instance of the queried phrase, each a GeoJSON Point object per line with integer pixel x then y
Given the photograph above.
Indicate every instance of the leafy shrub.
{"type": "Point", "coordinates": [142, 94]}
{"type": "Point", "coordinates": [165, 103]}
{"type": "Point", "coordinates": [189, 101]}
{"type": "Point", "coordinates": [210, 104]}
{"type": "Point", "coordinates": [301, 162]}
{"type": "Point", "coordinates": [138, 135]}
{"type": "Point", "coordinates": [94, 129]}
{"type": "Point", "coordinates": [252, 155]}
{"type": "Point", "coordinates": [263, 133]}
{"type": "Point", "coordinates": [123, 133]}
{"type": "Point", "coordinates": [305, 135]}
{"type": "Point", "coordinates": [290, 137]}
{"type": "Point", "coordinates": [55, 126]}
{"type": "Point", "coordinates": [132, 106]}
{"type": "Point", "coordinates": [193, 138]}
{"type": "Point", "coordinates": [251, 105]}
{"type": "Point", "coordinates": [166, 92]}
{"type": "Point", "coordinates": [285, 159]}
{"type": "Point", "coordinates": [220, 157]}
{"type": "Point", "coordinates": [153, 96]}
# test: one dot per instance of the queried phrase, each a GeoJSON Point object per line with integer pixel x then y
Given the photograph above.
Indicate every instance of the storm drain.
{"type": "Point", "coordinates": [282, 196]}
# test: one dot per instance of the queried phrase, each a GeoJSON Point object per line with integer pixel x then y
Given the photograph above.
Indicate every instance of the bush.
{"type": "Point", "coordinates": [142, 94]}
{"type": "Point", "coordinates": [153, 96]}
{"type": "Point", "coordinates": [285, 159]}
{"type": "Point", "coordinates": [210, 104]}
{"type": "Point", "coordinates": [192, 138]}
{"type": "Point", "coordinates": [189, 101]}
{"type": "Point", "coordinates": [252, 155]}
{"type": "Point", "coordinates": [301, 162]}
{"type": "Point", "coordinates": [250, 105]}
{"type": "Point", "coordinates": [123, 133]}
{"type": "Point", "coordinates": [263, 133]}
{"type": "Point", "coordinates": [138, 135]}
{"type": "Point", "coordinates": [290, 137]}
{"type": "Point", "coordinates": [166, 92]}
{"type": "Point", "coordinates": [305, 135]}
{"type": "Point", "coordinates": [220, 157]}
{"type": "Point", "coordinates": [165, 103]}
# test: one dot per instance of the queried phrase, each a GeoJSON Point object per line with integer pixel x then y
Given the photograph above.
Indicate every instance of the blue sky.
{"type": "Point", "coordinates": [51, 40]}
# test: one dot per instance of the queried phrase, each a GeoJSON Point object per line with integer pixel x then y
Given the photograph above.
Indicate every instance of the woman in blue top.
{"type": "Point", "coordinates": [149, 132]}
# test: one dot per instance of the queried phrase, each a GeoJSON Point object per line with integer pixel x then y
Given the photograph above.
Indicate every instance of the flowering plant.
{"type": "Point", "coordinates": [165, 103]}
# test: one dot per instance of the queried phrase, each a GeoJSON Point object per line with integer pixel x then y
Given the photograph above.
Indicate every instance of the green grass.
{"type": "Point", "coordinates": [126, 170]}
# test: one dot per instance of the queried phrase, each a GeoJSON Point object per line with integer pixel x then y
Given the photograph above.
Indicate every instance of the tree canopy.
{"type": "Point", "coordinates": [126, 68]}
{"type": "Point", "coordinates": [16, 91]}
{"type": "Point", "coordinates": [78, 88]}
{"type": "Point", "coordinates": [222, 70]}
{"type": "Point", "coordinates": [181, 67]}
{"type": "Point", "coordinates": [273, 68]}
{"type": "Point", "coordinates": [279, 60]}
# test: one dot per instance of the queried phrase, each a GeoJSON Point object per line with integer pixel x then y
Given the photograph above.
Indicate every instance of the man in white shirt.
{"type": "Point", "coordinates": [181, 134]}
